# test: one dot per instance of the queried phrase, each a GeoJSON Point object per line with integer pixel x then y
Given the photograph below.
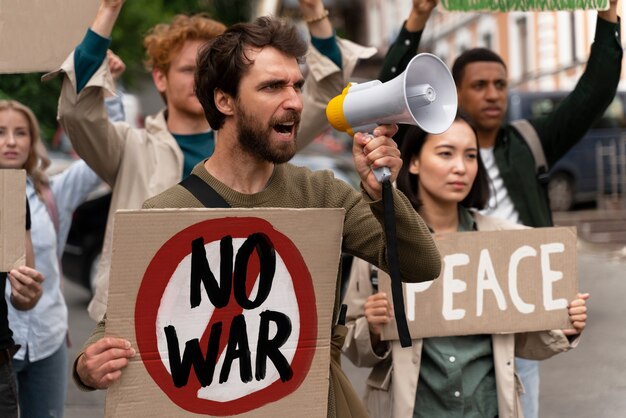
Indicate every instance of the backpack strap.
{"type": "Point", "coordinates": [203, 192]}
{"type": "Point", "coordinates": [529, 134]}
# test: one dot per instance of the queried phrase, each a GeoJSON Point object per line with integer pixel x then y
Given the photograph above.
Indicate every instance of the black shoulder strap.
{"type": "Point", "coordinates": [529, 135]}
{"type": "Point", "coordinates": [203, 192]}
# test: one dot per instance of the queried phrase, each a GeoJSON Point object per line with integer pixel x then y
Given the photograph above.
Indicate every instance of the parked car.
{"type": "Point", "coordinates": [574, 178]}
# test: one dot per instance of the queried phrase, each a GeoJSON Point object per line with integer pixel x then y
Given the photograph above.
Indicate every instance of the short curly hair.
{"type": "Point", "coordinates": [165, 39]}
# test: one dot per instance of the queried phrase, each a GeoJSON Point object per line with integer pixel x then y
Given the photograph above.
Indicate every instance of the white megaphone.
{"type": "Point", "coordinates": [423, 95]}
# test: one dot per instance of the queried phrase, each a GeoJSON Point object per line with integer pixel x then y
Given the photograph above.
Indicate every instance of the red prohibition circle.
{"type": "Point", "coordinates": [156, 279]}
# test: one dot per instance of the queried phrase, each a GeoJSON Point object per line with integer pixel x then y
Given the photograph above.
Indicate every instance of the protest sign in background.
{"type": "Point", "coordinates": [37, 35]}
{"type": "Point", "coordinates": [492, 282]}
{"type": "Point", "coordinates": [506, 5]}
{"type": "Point", "coordinates": [230, 310]}
{"type": "Point", "coordinates": [12, 218]}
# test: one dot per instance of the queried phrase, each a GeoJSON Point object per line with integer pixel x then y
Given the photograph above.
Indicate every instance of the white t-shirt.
{"type": "Point", "coordinates": [500, 204]}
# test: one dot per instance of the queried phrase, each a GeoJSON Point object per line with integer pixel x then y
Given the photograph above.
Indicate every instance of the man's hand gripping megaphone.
{"type": "Point", "coordinates": [423, 95]}
{"type": "Point", "coordinates": [376, 158]}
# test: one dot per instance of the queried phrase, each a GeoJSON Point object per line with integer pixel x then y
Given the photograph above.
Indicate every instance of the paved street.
{"type": "Point", "coordinates": [590, 381]}
{"type": "Point", "coordinates": [80, 404]}
{"type": "Point", "coordinates": [587, 382]}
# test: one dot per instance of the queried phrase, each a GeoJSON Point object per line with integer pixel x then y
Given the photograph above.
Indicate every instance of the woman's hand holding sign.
{"type": "Point", "coordinates": [577, 314]}
{"type": "Point", "coordinates": [26, 287]}
{"type": "Point", "coordinates": [102, 362]}
{"type": "Point", "coordinates": [378, 312]}
{"type": "Point", "coordinates": [376, 152]}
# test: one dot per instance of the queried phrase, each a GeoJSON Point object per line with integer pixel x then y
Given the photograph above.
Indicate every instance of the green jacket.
{"type": "Point", "coordinates": [559, 131]}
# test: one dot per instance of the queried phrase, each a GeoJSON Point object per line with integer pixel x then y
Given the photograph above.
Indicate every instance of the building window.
{"type": "Point", "coordinates": [488, 41]}
{"type": "Point", "coordinates": [572, 24]}
{"type": "Point", "coordinates": [522, 30]}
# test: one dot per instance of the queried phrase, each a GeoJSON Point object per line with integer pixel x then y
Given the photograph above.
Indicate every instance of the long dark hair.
{"type": "Point", "coordinates": [408, 183]}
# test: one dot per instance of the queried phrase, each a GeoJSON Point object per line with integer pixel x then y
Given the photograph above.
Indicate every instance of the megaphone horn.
{"type": "Point", "coordinates": [423, 95]}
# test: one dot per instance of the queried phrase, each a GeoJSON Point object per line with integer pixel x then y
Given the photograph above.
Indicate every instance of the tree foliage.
{"type": "Point", "coordinates": [137, 17]}
{"type": "Point", "coordinates": [42, 98]}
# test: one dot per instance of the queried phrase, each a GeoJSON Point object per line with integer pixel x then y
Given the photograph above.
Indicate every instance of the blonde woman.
{"type": "Point", "coordinates": [41, 363]}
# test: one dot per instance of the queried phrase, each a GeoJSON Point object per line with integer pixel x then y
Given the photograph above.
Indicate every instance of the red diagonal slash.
{"type": "Point", "coordinates": [225, 315]}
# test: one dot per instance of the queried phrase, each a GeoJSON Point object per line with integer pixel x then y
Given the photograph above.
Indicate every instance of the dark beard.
{"type": "Point", "coordinates": [255, 139]}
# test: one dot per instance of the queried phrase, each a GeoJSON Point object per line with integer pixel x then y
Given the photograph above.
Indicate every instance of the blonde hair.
{"type": "Point", "coordinates": [37, 161]}
{"type": "Point", "coordinates": [165, 39]}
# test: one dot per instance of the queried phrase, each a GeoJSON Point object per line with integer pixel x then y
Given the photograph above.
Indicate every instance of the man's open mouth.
{"type": "Point", "coordinates": [284, 128]}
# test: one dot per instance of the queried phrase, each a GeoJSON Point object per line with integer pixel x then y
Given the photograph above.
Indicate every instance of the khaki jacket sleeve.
{"type": "Point", "coordinates": [83, 116]}
{"type": "Point", "coordinates": [358, 344]}
{"type": "Point", "coordinates": [543, 344]}
{"type": "Point", "coordinates": [324, 81]}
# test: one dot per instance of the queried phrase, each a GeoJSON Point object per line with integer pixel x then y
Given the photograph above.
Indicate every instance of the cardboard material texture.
{"type": "Point", "coordinates": [507, 5]}
{"type": "Point", "coordinates": [494, 282]}
{"type": "Point", "coordinates": [12, 218]}
{"type": "Point", "coordinates": [37, 35]}
{"type": "Point", "coordinates": [174, 294]}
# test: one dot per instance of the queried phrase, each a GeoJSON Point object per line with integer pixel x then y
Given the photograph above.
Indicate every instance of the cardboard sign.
{"type": "Point", "coordinates": [12, 218]}
{"type": "Point", "coordinates": [506, 5]}
{"type": "Point", "coordinates": [494, 282]}
{"type": "Point", "coordinates": [230, 311]}
{"type": "Point", "coordinates": [37, 35]}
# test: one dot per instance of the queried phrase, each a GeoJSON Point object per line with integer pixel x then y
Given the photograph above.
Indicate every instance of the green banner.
{"type": "Point", "coordinates": [506, 5]}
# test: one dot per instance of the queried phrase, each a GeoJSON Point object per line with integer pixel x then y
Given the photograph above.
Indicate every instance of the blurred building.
{"type": "Point", "coordinates": [543, 50]}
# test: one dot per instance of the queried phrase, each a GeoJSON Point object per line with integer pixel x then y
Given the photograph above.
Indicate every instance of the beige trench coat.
{"type": "Point", "coordinates": [391, 386]}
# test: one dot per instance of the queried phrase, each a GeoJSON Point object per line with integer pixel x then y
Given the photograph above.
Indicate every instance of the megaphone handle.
{"type": "Point", "coordinates": [381, 173]}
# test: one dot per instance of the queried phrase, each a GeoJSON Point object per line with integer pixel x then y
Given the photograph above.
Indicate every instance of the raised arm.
{"type": "Point", "coordinates": [405, 46]}
{"type": "Point", "coordinates": [568, 123]}
{"type": "Point", "coordinates": [87, 80]}
{"type": "Point", "coordinates": [331, 61]}
{"type": "Point", "coordinates": [106, 17]}
{"type": "Point", "coordinates": [610, 15]}
{"type": "Point", "coordinates": [316, 16]}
